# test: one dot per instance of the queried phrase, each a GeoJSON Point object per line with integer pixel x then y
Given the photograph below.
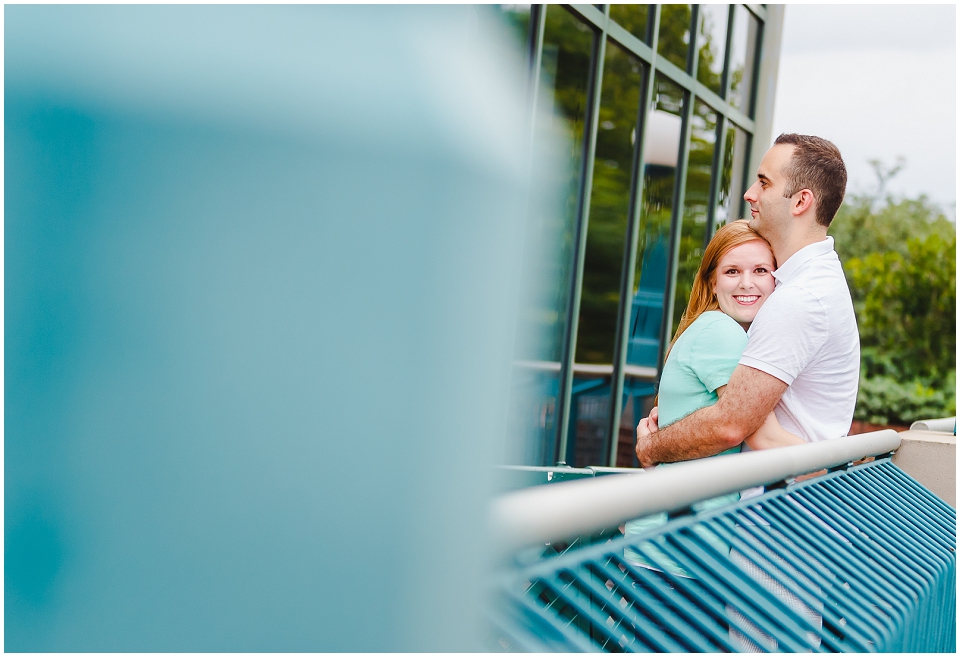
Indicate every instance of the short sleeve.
{"type": "Point", "coordinates": [717, 350]}
{"type": "Point", "coordinates": [788, 332]}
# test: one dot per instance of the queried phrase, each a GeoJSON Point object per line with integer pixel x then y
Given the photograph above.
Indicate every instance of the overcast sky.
{"type": "Point", "coordinates": [880, 82]}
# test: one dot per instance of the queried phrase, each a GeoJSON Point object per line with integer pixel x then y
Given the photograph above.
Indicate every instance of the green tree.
{"type": "Point", "coordinates": [899, 257]}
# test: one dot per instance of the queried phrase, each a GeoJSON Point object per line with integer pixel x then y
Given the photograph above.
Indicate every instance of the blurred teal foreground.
{"type": "Point", "coordinates": [261, 271]}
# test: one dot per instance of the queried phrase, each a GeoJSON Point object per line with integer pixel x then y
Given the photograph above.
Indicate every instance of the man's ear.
{"type": "Point", "coordinates": [802, 201]}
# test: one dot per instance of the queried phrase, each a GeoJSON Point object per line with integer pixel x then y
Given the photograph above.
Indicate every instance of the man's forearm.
{"type": "Point", "coordinates": [698, 435]}
{"type": "Point", "coordinates": [744, 405]}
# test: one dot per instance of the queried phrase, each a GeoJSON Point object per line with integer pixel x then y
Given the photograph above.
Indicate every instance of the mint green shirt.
{"type": "Point", "coordinates": [701, 360]}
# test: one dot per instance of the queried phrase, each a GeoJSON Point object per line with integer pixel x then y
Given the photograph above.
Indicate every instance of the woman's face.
{"type": "Point", "coordinates": [744, 280]}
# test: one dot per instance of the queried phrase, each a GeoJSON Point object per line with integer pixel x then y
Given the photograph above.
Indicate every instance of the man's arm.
{"type": "Point", "coordinates": [749, 397]}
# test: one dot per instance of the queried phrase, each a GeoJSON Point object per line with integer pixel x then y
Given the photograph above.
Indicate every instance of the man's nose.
{"type": "Point", "coordinates": [748, 195]}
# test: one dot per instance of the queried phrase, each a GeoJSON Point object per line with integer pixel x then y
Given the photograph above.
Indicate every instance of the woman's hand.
{"type": "Point", "coordinates": [771, 434]}
{"type": "Point", "coordinates": [648, 425]}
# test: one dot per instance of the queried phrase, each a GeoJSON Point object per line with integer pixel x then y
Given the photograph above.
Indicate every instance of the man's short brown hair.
{"type": "Point", "coordinates": [816, 165]}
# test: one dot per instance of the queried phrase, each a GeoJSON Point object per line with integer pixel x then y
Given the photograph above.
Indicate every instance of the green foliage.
{"type": "Point", "coordinates": [887, 400]}
{"type": "Point", "coordinates": [859, 230]}
{"type": "Point", "coordinates": [907, 307]}
{"type": "Point", "coordinates": [900, 263]}
{"type": "Point", "coordinates": [674, 40]}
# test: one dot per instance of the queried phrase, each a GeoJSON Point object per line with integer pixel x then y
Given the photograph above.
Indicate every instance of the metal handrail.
{"type": "Point", "coordinates": [565, 510]}
{"type": "Point", "coordinates": [587, 370]}
{"type": "Point", "coordinates": [944, 425]}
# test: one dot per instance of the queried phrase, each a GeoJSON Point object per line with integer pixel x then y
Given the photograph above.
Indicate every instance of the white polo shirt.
{"type": "Point", "coordinates": [806, 335]}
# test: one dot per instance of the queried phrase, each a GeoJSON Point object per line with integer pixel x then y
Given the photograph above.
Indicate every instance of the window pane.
{"type": "Point", "coordinates": [589, 410]}
{"type": "Point", "coordinates": [743, 48]}
{"type": "Point", "coordinates": [711, 42]}
{"type": "Point", "coordinates": [609, 206]}
{"type": "Point", "coordinates": [638, 397]}
{"type": "Point", "coordinates": [606, 237]}
{"type": "Point", "coordinates": [517, 17]}
{"type": "Point", "coordinates": [732, 183]}
{"type": "Point", "coordinates": [548, 258]}
{"type": "Point", "coordinates": [632, 18]}
{"type": "Point", "coordinates": [660, 149]}
{"type": "Point", "coordinates": [674, 40]}
{"type": "Point", "coordinates": [693, 231]}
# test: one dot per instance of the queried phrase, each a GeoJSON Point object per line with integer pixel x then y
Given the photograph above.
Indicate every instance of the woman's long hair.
{"type": "Point", "coordinates": [702, 298]}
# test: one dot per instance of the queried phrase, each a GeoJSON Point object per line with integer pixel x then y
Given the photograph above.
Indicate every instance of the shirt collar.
{"type": "Point", "coordinates": [788, 269]}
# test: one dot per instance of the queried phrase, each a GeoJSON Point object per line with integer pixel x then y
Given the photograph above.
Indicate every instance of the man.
{"type": "Point", "coordinates": [802, 359]}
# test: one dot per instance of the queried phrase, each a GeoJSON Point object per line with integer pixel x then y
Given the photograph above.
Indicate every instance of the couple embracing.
{"type": "Point", "coordinates": [767, 353]}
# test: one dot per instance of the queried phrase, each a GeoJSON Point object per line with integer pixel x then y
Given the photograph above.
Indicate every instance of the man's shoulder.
{"type": "Point", "coordinates": [820, 276]}
{"type": "Point", "coordinates": [790, 311]}
{"type": "Point", "coordinates": [791, 298]}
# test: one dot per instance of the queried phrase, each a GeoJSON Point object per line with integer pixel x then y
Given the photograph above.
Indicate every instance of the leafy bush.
{"type": "Point", "coordinates": [900, 263]}
{"type": "Point", "coordinates": [888, 400]}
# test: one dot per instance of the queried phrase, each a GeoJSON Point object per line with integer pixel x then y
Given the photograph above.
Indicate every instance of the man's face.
{"type": "Point", "coordinates": [769, 210]}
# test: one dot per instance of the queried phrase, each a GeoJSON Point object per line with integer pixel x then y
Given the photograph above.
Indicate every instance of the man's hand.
{"type": "Point", "coordinates": [647, 426]}
{"type": "Point", "coordinates": [747, 399]}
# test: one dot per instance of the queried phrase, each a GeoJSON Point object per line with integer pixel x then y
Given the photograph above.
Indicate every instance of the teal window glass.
{"type": "Point", "coordinates": [661, 147]}
{"type": "Point", "coordinates": [736, 150]}
{"type": "Point", "coordinates": [609, 206]}
{"type": "Point", "coordinates": [711, 42]}
{"type": "Point", "coordinates": [673, 41]}
{"type": "Point", "coordinates": [632, 18]}
{"type": "Point", "coordinates": [517, 18]}
{"type": "Point", "coordinates": [743, 53]}
{"type": "Point", "coordinates": [606, 238]}
{"type": "Point", "coordinates": [693, 231]}
{"type": "Point", "coordinates": [549, 249]}
{"type": "Point", "coordinates": [638, 398]}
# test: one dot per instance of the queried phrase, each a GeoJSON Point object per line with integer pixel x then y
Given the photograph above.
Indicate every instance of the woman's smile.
{"type": "Point", "coordinates": [743, 280]}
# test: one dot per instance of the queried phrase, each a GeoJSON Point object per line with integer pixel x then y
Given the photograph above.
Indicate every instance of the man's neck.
{"type": "Point", "coordinates": [785, 248]}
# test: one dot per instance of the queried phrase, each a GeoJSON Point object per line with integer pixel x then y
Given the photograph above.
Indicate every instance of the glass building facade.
{"type": "Point", "coordinates": [666, 110]}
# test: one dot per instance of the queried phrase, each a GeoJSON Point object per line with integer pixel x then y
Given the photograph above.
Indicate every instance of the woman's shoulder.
{"type": "Point", "coordinates": [715, 325]}
{"type": "Point", "coordinates": [715, 320]}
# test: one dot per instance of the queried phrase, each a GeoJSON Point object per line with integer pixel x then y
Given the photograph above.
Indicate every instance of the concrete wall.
{"type": "Point", "coordinates": [930, 457]}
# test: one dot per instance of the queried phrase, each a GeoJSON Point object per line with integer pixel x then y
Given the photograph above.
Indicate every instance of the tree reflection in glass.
{"type": "Point", "coordinates": [703, 136]}
{"type": "Point", "coordinates": [674, 39]}
{"type": "Point", "coordinates": [743, 46]}
{"type": "Point", "coordinates": [633, 18]}
{"type": "Point", "coordinates": [711, 42]}
{"type": "Point", "coordinates": [732, 183]}
{"type": "Point", "coordinates": [609, 205]}
{"type": "Point", "coordinates": [660, 152]}
{"type": "Point", "coordinates": [562, 99]}
{"type": "Point", "coordinates": [606, 236]}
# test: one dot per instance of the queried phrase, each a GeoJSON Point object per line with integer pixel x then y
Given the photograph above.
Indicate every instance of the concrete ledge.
{"type": "Point", "coordinates": [930, 457]}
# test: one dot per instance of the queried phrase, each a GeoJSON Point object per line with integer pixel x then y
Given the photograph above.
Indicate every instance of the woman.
{"type": "Point", "coordinates": [734, 280]}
